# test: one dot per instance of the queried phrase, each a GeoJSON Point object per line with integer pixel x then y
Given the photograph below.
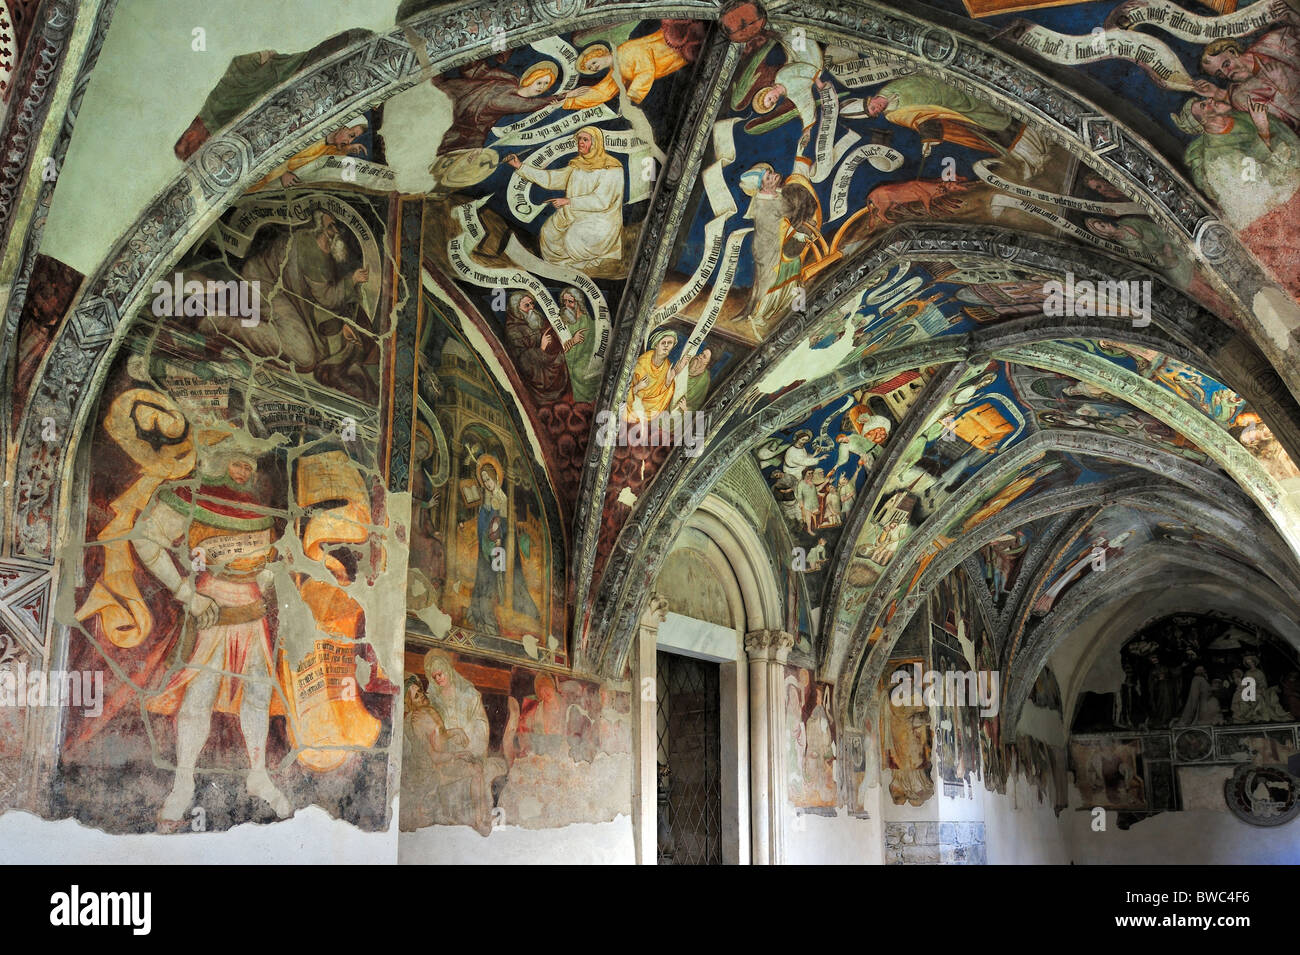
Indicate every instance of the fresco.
{"type": "Point", "coordinates": [957, 737]}
{"type": "Point", "coordinates": [956, 627]}
{"type": "Point", "coordinates": [672, 379]}
{"type": "Point", "coordinates": [1109, 773]}
{"type": "Point", "coordinates": [1224, 80]}
{"type": "Point", "coordinates": [1103, 543]}
{"type": "Point", "coordinates": [487, 566]}
{"type": "Point", "coordinates": [821, 148]}
{"type": "Point", "coordinates": [1046, 692]}
{"type": "Point", "coordinates": [971, 425]}
{"type": "Point", "coordinates": [915, 301]}
{"type": "Point", "coordinates": [816, 468]}
{"type": "Point", "coordinates": [1059, 401]}
{"type": "Point", "coordinates": [1002, 559]}
{"type": "Point", "coordinates": [247, 78]}
{"type": "Point", "coordinates": [487, 744]}
{"type": "Point", "coordinates": [1216, 702]}
{"type": "Point", "coordinates": [812, 744]}
{"type": "Point", "coordinates": [994, 758]}
{"type": "Point", "coordinates": [860, 772]}
{"type": "Point", "coordinates": [1222, 405]}
{"type": "Point", "coordinates": [421, 303]}
{"type": "Point", "coordinates": [1192, 670]}
{"type": "Point", "coordinates": [312, 277]}
{"type": "Point", "coordinates": [53, 286]}
{"type": "Point", "coordinates": [906, 741]}
{"type": "Point", "coordinates": [235, 535]}
{"type": "Point", "coordinates": [537, 191]}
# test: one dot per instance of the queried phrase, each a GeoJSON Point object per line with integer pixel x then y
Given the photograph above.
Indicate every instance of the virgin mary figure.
{"type": "Point", "coordinates": [489, 574]}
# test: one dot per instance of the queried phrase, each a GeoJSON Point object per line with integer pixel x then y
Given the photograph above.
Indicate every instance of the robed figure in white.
{"type": "Point", "coordinates": [586, 231]}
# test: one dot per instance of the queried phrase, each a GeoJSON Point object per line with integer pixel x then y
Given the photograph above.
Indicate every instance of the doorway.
{"type": "Point", "coordinates": [689, 761]}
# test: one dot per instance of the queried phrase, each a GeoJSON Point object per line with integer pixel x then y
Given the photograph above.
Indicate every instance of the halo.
{"type": "Point", "coordinates": [489, 461]}
{"type": "Point", "coordinates": [756, 104]}
{"type": "Point", "coordinates": [539, 69]}
{"type": "Point", "coordinates": [589, 54]}
{"type": "Point", "coordinates": [464, 167]}
{"type": "Point", "coordinates": [749, 183]}
{"type": "Point", "coordinates": [422, 438]}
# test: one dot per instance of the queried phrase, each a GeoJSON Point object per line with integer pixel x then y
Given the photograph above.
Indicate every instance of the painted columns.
{"type": "Point", "coordinates": [767, 650]}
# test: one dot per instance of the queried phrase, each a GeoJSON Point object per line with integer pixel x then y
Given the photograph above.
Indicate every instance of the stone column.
{"type": "Point", "coordinates": [645, 741]}
{"type": "Point", "coordinates": [767, 650]}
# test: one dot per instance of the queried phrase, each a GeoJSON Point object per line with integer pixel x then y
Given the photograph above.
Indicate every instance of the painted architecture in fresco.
{"type": "Point", "coordinates": [434, 362]}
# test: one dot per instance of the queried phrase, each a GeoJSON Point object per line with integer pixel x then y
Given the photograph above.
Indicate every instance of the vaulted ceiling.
{"type": "Point", "coordinates": [920, 188]}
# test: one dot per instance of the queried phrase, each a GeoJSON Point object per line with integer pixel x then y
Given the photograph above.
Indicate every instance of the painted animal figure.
{"type": "Point", "coordinates": [928, 192]}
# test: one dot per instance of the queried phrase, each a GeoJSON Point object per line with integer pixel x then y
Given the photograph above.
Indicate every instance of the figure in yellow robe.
{"type": "Point", "coordinates": [652, 390]}
{"type": "Point", "coordinates": [341, 142]}
{"type": "Point", "coordinates": [639, 63]}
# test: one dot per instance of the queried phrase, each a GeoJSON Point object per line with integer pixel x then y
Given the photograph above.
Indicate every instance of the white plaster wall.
{"type": "Point", "coordinates": [1191, 837]}
{"type": "Point", "coordinates": [1019, 830]}
{"type": "Point", "coordinates": [310, 837]}
{"type": "Point", "coordinates": [838, 840]}
{"type": "Point", "coordinates": [964, 808]}
{"type": "Point", "coordinates": [584, 843]}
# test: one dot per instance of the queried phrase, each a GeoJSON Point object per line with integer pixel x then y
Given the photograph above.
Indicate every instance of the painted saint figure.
{"type": "Point", "coordinates": [652, 389]}
{"type": "Point", "coordinates": [494, 545]}
{"type": "Point", "coordinates": [341, 142]}
{"type": "Point", "coordinates": [481, 96]}
{"type": "Point", "coordinates": [1263, 78]}
{"type": "Point", "coordinates": [800, 81]}
{"type": "Point", "coordinates": [637, 63]}
{"type": "Point", "coordinates": [787, 217]}
{"type": "Point", "coordinates": [250, 76]}
{"type": "Point", "coordinates": [586, 230]}
{"type": "Point", "coordinates": [310, 302]}
{"type": "Point", "coordinates": [697, 379]}
{"type": "Point", "coordinates": [536, 349]}
{"type": "Point", "coordinates": [580, 351]}
{"type": "Point", "coordinates": [940, 113]}
{"type": "Point", "coordinates": [464, 780]}
{"type": "Point", "coordinates": [484, 94]}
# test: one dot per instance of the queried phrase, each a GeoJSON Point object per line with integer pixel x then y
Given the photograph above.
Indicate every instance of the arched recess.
{"type": "Point", "coordinates": [1248, 474]}
{"type": "Point", "coordinates": [1066, 117]}
{"type": "Point", "coordinates": [1114, 620]}
{"type": "Point", "coordinates": [717, 547]}
{"type": "Point", "coordinates": [1148, 569]}
{"type": "Point", "coordinates": [1256, 545]}
{"type": "Point", "coordinates": [739, 542]}
{"type": "Point", "coordinates": [301, 111]}
{"type": "Point", "coordinates": [862, 664]}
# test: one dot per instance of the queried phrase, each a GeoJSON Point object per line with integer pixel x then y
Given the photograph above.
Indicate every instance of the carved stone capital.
{"type": "Point", "coordinates": [771, 645]}
{"type": "Point", "coordinates": [656, 611]}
